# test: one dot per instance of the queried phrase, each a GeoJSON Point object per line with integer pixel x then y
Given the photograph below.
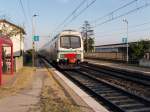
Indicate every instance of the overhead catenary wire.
{"type": "Point", "coordinates": [29, 10]}
{"type": "Point", "coordinates": [131, 26]}
{"type": "Point", "coordinates": [112, 12]}
{"type": "Point", "coordinates": [70, 15]}
{"type": "Point", "coordinates": [82, 11]}
{"type": "Point", "coordinates": [23, 10]}
{"type": "Point", "coordinates": [120, 33]}
{"type": "Point", "coordinates": [77, 15]}
{"type": "Point", "coordinates": [121, 15]}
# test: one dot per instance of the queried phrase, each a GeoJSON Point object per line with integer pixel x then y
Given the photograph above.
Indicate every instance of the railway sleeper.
{"type": "Point", "coordinates": [123, 101]}
{"type": "Point", "coordinates": [112, 94]}
{"type": "Point", "coordinates": [121, 75]}
{"type": "Point", "coordinates": [132, 106]}
{"type": "Point", "coordinates": [147, 109]}
{"type": "Point", "coordinates": [106, 92]}
{"type": "Point", "coordinates": [107, 88]}
{"type": "Point", "coordinates": [93, 85]}
{"type": "Point", "coordinates": [119, 98]}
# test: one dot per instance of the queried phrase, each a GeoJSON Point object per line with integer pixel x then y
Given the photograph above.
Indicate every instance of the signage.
{"type": "Point", "coordinates": [35, 38]}
{"type": "Point", "coordinates": [124, 40]}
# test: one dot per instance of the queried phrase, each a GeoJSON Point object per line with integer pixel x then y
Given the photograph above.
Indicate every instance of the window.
{"type": "Point", "coordinates": [70, 42]}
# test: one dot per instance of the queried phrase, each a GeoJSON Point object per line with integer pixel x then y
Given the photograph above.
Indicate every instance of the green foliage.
{"type": "Point", "coordinates": [5, 30]}
{"type": "Point", "coordinates": [138, 49]}
{"type": "Point", "coordinates": [87, 34]}
{"type": "Point", "coordinates": [90, 44]}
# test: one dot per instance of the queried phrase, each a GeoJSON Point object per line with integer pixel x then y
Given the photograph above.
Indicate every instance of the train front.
{"type": "Point", "coordinates": [70, 50]}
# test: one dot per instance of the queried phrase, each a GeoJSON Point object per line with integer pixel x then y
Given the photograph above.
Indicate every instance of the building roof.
{"type": "Point", "coordinates": [5, 21]}
{"type": "Point", "coordinates": [112, 45]}
{"type": "Point", "coordinates": [118, 45]}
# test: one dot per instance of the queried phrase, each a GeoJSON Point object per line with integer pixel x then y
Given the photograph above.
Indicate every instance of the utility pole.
{"type": "Point", "coordinates": [126, 21]}
{"type": "Point", "coordinates": [87, 33]}
{"type": "Point", "coordinates": [33, 43]}
{"type": "Point", "coordinates": [86, 36]}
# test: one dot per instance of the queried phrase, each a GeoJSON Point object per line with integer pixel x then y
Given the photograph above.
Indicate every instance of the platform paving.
{"type": "Point", "coordinates": [91, 104]}
{"type": "Point", "coordinates": [25, 100]}
{"type": "Point", "coordinates": [120, 66]}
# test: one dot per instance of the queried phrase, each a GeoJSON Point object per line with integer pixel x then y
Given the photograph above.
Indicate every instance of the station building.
{"type": "Point", "coordinates": [109, 52]}
{"type": "Point", "coordinates": [111, 48]}
{"type": "Point", "coordinates": [16, 34]}
{"type": "Point", "coordinates": [116, 52]}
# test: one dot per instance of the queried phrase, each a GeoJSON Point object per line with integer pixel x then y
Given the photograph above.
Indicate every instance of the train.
{"type": "Point", "coordinates": [65, 49]}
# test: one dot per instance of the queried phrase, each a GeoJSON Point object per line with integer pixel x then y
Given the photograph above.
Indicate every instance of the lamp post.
{"type": "Point", "coordinates": [126, 21]}
{"type": "Point", "coordinates": [33, 43]}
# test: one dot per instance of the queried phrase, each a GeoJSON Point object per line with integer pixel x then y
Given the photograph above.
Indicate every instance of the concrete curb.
{"type": "Point", "coordinates": [86, 102]}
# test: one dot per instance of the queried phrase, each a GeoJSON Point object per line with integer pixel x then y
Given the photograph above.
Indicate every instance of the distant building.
{"type": "Point", "coordinates": [117, 52]}
{"type": "Point", "coordinates": [113, 52]}
{"type": "Point", "coordinates": [111, 48]}
{"type": "Point", "coordinates": [16, 34]}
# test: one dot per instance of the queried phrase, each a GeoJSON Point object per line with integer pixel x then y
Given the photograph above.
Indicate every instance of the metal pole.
{"type": "Point", "coordinates": [86, 42]}
{"type": "Point", "coordinates": [33, 44]}
{"type": "Point", "coordinates": [125, 20]}
{"type": "Point", "coordinates": [33, 54]}
{"type": "Point", "coordinates": [127, 43]}
{"type": "Point", "coordinates": [87, 47]}
{"type": "Point", "coordinates": [12, 61]}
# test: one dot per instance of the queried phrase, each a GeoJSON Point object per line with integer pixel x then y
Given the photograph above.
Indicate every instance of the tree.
{"type": "Point", "coordinates": [5, 30]}
{"type": "Point", "coordinates": [87, 34]}
{"type": "Point", "coordinates": [138, 49]}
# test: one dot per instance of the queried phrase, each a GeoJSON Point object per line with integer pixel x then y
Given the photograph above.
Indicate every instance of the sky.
{"type": "Point", "coordinates": [51, 14]}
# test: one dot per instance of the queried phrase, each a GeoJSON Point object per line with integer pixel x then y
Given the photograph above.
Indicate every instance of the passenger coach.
{"type": "Point", "coordinates": [64, 49]}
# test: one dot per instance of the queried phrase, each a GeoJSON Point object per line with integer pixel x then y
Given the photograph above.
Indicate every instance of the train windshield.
{"type": "Point", "coordinates": [70, 42]}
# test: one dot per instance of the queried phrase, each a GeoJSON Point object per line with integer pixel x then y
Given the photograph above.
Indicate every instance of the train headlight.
{"type": "Point", "coordinates": [78, 56]}
{"type": "Point", "coordinates": [62, 56]}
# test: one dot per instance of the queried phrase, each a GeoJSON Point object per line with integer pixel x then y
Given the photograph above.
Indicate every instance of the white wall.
{"type": "Point", "coordinates": [18, 43]}
{"type": "Point", "coordinates": [145, 63]}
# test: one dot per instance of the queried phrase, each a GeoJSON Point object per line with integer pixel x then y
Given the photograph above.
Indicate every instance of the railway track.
{"type": "Point", "coordinates": [116, 99]}
{"type": "Point", "coordinates": [133, 84]}
{"type": "Point", "coordinates": [126, 75]}
{"type": "Point", "coordinates": [111, 96]}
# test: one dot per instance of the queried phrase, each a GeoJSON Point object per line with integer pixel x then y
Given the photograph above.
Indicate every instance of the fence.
{"type": "Point", "coordinates": [115, 56]}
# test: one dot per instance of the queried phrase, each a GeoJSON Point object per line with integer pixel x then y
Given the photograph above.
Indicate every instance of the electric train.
{"type": "Point", "coordinates": [65, 49]}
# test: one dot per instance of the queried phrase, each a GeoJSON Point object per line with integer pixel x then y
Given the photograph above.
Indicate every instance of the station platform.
{"type": "Point", "coordinates": [121, 66]}
{"type": "Point", "coordinates": [81, 98]}
{"type": "Point", "coordinates": [46, 89]}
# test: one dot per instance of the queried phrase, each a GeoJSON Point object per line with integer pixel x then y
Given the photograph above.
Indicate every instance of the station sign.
{"type": "Point", "coordinates": [35, 38]}
{"type": "Point", "coordinates": [124, 40]}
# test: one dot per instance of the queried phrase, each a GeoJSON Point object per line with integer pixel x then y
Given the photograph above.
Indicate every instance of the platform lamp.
{"type": "Point", "coordinates": [126, 21]}
{"type": "Point", "coordinates": [33, 43]}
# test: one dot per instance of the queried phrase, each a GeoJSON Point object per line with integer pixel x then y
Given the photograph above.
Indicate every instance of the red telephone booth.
{"type": "Point", "coordinates": [4, 40]}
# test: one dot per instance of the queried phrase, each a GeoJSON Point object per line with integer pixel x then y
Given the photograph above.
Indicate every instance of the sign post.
{"type": "Point", "coordinates": [124, 40]}
{"type": "Point", "coordinates": [35, 38]}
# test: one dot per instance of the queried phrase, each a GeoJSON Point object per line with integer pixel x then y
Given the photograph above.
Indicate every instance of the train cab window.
{"type": "Point", "coordinates": [70, 42]}
{"type": "Point", "coordinates": [65, 42]}
{"type": "Point", "coordinates": [75, 42]}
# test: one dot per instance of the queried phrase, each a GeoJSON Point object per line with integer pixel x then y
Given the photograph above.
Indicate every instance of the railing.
{"type": "Point", "coordinates": [106, 56]}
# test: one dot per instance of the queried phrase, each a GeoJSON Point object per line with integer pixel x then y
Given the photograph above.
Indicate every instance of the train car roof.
{"type": "Point", "coordinates": [66, 32]}
{"type": "Point", "coordinates": [69, 32]}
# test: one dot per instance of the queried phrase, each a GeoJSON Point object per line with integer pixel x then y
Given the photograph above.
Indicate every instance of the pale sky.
{"type": "Point", "coordinates": [53, 12]}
